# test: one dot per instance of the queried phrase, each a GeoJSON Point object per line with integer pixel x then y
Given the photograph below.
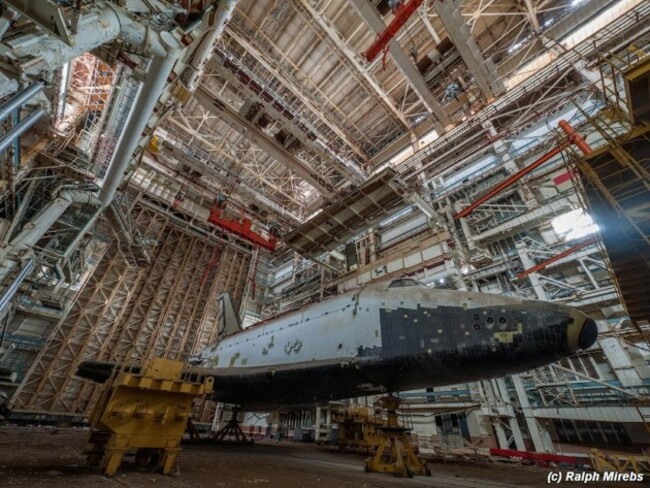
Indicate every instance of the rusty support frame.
{"type": "Point", "coordinates": [557, 257]}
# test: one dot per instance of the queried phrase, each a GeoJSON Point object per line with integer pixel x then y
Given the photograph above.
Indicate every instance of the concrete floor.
{"type": "Point", "coordinates": [47, 457]}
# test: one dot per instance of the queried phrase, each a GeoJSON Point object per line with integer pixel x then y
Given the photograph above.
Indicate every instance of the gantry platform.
{"type": "Point", "coordinates": [617, 187]}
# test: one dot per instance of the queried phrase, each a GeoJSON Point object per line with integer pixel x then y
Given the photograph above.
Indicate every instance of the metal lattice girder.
{"type": "Point", "coordinates": [371, 16]}
{"type": "Point", "coordinates": [210, 102]}
{"type": "Point", "coordinates": [354, 61]}
{"type": "Point", "coordinates": [296, 88]}
{"type": "Point", "coordinates": [94, 311]}
{"type": "Point", "coordinates": [483, 70]}
{"type": "Point", "coordinates": [274, 107]}
{"type": "Point", "coordinates": [347, 217]}
{"type": "Point", "coordinates": [127, 313]}
{"type": "Point", "coordinates": [199, 130]}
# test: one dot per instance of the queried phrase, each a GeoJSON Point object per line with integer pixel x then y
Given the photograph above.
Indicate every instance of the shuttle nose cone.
{"type": "Point", "coordinates": [588, 334]}
{"type": "Point", "coordinates": [582, 331]}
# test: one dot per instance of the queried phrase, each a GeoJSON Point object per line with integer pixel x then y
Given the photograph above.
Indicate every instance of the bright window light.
{"type": "Point", "coordinates": [574, 225]}
{"type": "Point", "coordinates": [428, 138]}
{"type": "Point", "coordinates": [597, 24]}
{"type": "Point", "coordinates": [402, 156]}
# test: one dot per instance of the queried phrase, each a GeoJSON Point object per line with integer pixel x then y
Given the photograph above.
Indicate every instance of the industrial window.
{"type": "Point", "coordinates": [591, 433]}
{"type": "Point", "coordinates": [403, 282]}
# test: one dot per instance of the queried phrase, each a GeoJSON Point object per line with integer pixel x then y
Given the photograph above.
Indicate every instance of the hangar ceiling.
{"type": "Point", "coordinates": [314, 116]}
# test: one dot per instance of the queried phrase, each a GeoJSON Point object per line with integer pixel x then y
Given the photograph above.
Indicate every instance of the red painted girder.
{"type": "Point", "coordinates": [539, 456]}
{"type": "Point", "coordinates": [402, 14]}
{"type": "Point", "coordinates": [557, 257]}
{"type": "Point", "coordinates": [510, 180]}
{"type": "Point", "coordinates": [242, 229]}
{"type": "Point", "coordinates": [573, 137]}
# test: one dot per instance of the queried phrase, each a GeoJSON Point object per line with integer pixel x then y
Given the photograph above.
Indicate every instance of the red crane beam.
{"type": "Point", "coordinates": [510, 181]}
{"type": "Point", "coordinates": [573, 137]}
{"type": "Point", "coordinates": [242, 229]}
{"type": "Point", "coordinates": [557, 257]}
{"type": "Point", "coordinates": [402, 14]}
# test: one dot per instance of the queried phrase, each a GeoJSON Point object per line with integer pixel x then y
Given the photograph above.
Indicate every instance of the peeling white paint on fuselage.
{"type": "Point", "coordinates": [335, 328]}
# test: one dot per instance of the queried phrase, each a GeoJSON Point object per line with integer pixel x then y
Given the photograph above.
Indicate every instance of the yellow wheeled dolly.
{"type": "Point", "coordinates": [144, 413]}
{"type": "Point", "coordinates": [357, 429]}
{"type": "Point", "coordinates": [395, 455]}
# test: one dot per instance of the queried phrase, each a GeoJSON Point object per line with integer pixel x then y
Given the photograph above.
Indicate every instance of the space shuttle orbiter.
{"type": "Point", "coordinates": [393, 336]}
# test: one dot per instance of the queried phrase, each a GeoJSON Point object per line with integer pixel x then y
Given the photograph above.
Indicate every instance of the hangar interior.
{"type": "Point", "coordinates": [157, 154]}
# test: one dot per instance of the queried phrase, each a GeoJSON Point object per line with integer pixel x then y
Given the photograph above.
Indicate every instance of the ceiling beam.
{"type": "Point", "coordinates": [374, 20]}
{"type": "Point", "coordinates": [298, 92]}
{"type": "Point", "coordinates": [352, 58]}
{"type": "Point", "coordinates": [304, 134]}
{"type": "Point", "coordinates": [483, 70]}
{"type": "Point", "coordinates": [211, 103]}
{"type": "Point", "coordinates": [191, 131]}
{"type": "Point", "coordinates": [532, 14]}
{"type": "Point", "coordinates": [221, 177]}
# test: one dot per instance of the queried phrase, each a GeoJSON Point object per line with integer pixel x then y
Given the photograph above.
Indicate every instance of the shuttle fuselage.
{"type": "Point", "coordinates": [386, 338]}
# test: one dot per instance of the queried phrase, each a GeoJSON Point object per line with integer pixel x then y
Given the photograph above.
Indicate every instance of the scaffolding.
{"type": "Point", "coordinates": [126, 313]}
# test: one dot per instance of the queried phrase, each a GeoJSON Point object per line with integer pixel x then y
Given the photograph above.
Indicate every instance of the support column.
{"type": "Point", "coordinates": [512, 419]}
{"type": "Point", "coordinates": [317, 423]}
{"type": "Point", "coordinates": [528, 263]}
{"type": "Point", "coordinates": [538, 435]}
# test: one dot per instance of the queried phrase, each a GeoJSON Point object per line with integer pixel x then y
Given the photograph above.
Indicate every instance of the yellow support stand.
{"type": "Point", "coordinates": [146, 413]}
{"type": "Point", "coordinates": [395, 455]}
{"type": "Point", "coordinates": [357, 429]}
{"type": "Point", "coordinates": [602, 463]}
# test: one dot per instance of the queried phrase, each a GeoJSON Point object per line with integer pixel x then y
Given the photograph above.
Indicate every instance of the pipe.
{"type": "Point", "coordinates": [20, 129]}
{"type": "Point", "coordinates": [574, 137]}
{"type": "Point", "coordinates": [203, 52]}
{"type": "Point", "coordinates": [11, 290]}
{"type": "Point", "coordinates": [96, 28]}
{"type": "Point", "coordinates": [557, 257]}
{"type": "Point", "coordinates": [18, 100]}
{"type": "Point", "coordinates": [510, 180]}
{"type": "Point", "coordinates": [146, 99]}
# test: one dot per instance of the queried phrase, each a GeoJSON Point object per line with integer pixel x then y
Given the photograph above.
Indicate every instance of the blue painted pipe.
{"type": "Point", "coordinates": [20, 129]}
{"type": "Point", "coordinates": [19, 100]}
{"type": "Point", "coordinates": [11, 290]}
